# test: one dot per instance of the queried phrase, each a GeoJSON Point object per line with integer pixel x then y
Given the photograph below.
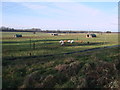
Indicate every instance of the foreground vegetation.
{"type": "Point", "coordinates": [46, 65]}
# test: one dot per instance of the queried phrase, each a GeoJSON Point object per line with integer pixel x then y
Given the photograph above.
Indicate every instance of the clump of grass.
{"type": "Point", "coordinates": [69, 69]}
{"type": "Point", "coordinates": [69, 60]}
{"type": "Point", "coordinates": [100, 74]}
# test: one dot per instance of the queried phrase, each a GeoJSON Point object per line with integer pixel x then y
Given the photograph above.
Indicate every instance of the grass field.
{"type": "Point", "coordinates": [29, 67]}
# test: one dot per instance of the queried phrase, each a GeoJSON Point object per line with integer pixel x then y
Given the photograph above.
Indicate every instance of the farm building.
{"type": "Point", "coordinates": [90, 35]}
{"type": "Point", "coordinates": [18, 35]}
{"type": "Point", "coordinates": [54, 34]}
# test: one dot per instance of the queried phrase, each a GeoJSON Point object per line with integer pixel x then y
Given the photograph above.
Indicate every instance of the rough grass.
{"type": "Point", "coordinates": [75, 71]}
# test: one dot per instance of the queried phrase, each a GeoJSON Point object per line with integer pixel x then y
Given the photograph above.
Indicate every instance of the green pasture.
{"type": "Point", "coordinates": [20, 59]}
{"type": "Point", "coordinates": [47, 44]}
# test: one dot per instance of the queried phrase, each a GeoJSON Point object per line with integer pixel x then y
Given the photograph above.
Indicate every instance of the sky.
{"type": "Point", "coordinates": [93, 16]}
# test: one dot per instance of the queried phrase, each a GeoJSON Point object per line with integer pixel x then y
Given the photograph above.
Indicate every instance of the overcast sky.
{"type": "Point", "coordinates": [100, 16]}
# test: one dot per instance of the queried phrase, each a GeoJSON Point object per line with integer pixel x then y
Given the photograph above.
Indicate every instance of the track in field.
{"type": "Point", "coordinates": [92, 49]}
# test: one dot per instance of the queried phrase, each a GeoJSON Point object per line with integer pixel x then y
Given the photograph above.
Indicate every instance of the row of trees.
{"type": "Point", "coordinates": [7, 29]}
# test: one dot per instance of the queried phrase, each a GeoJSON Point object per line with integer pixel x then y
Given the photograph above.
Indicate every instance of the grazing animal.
{"type": "Point", "coordinates": [65, 40]}
{"type": "Point", "coordinates": [72, 41]}
{"type": "Point", "coordinates": [60, 41]}
{"type": "Point", "coordinates": [68, 41]}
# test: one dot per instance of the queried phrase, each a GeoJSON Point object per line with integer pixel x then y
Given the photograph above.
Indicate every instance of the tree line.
{"type": "Point", "coordinates": [7, 29]}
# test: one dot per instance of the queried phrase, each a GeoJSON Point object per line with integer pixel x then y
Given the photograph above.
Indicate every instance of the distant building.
{"type": "Point", "coordinates": [108, 31]}
{"type": "Point", "coordinates": [90, 35]}
{"type": "Point", "coordinates": [18, 35]}
{"type": "Point", "coordinates": [54, 34]}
